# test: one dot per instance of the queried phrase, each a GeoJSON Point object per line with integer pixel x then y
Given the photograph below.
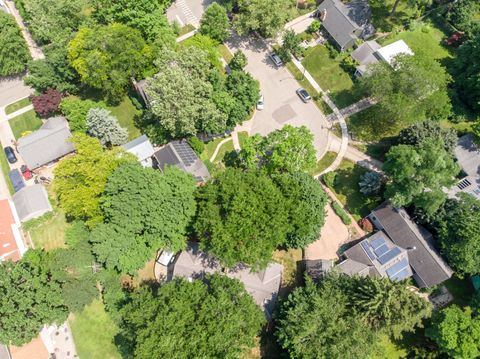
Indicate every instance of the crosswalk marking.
{"type": "Point", "coordinates": [191, 18]}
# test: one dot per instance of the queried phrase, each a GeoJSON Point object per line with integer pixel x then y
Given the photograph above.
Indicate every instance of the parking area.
{"type": "Point", "coordinates": [186, 12]}
{"type": "Point", "coordinates": [282, 104]}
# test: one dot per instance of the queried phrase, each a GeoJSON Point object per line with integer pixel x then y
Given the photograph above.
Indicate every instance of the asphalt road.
{"type": "Point", "coordinates": [278, 86]}
{"type": "Point", "coordinates": [187, 11]}
{"type": "Point", "coordinates": [12, 89]}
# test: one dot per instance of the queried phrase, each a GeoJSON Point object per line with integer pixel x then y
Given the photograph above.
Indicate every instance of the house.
{"type": "Point", "coordinates": [468, 157]}
{"type": "Point", "coordinates": [370, 52]}
{"type": "Point", "coordinates": [428, 267]}
{"type": "Point", "coordinates": [31, 202]}
{"type": "Point", "coordinates": [11, 244]}
{"type": "Point", "coordinates": [263, 286]}
{"type": "Point", "coordinates": [346, 23]}
{"type": "Point", "coordinates": [142, 149]}
{"type": "Point", "coordinates": [47, 144]}
{"type": "Point", "coordinates": [179, 153]}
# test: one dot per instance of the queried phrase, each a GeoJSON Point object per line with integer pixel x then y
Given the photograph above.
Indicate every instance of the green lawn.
{"type": "Point", "coordinates": [49, 231]}
{"type": "Point", "coordinates": [210, 148]}
{"type": "Point", "coordinates": [461, 127]}
{"type": "Point", "coordinates": [5, 169]}
{"type": "Point", "coordinates": [94, 332]}
{"type": "Point", "coordinates": [24, 102]}
{"type": "Point", "coordinates": [329, 75]}
{"type": "Point", "coordinates": [241, 137]}
{"type": "Point", "coordinates": [27, 121]}
{"type": "Point", "coordinates": [324, 162]}
{"type": "Point", "coordinates": [224, 149]}
{"type": "Point", "coordinates": [225, 52]}
{"type": "Point", "coordinates": [186, 29]}
{"type": "Point", "coordinates": [348, 192]}
{"type": "Point", "coordinates": [390, 349]}
{"type": "Point", "coordinates": [126, 113]}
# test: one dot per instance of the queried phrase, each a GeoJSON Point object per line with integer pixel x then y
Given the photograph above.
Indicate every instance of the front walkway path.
{"type": "Point", "coordinates": [18, 112]}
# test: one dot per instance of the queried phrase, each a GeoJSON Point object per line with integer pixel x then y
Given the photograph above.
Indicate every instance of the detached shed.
{"type": "Point", "coordinates": [31, 202]}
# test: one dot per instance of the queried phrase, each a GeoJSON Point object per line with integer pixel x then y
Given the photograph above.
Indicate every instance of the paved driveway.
{"type": "Point", "coordinates": [187, 11]}
{"type": "Point", "coordinates": [13, 89]}
{"type": "Point", "coordinates": [278, 86]}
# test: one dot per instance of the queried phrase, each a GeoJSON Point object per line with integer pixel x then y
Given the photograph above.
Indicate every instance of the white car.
{"type": "Point", "coordinates": [260, 103]}
{"type": "Point", "coordinates": [165, 258]}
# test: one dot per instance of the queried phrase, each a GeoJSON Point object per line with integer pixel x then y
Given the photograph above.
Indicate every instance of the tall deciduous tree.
{"type": "Point", "coordinates": [217, 319]}
{"type": "Point", "coordinates": [456, 332]}
{"type": "Point", "coordinates": [102, 125]}
{"type": "Point", "coordinates": [80, 179]}
{"type": "Point", "coordinates": [241, 217]}
{"type": "Point", "coordinates": [265, 16]}
{"type": "Point", "coordinates": [414, 89]}
{"type": "Point", "coordinates": [75, 110]}
{"type": "Point", "coordinates": [13, 49]}
{"type": "Point", "coordinates": [418, 174]}
{"type": "Point", "coordinates": [215, 22]}
{"type": "Point", "coordinates": [30, 298]}
{"type": "Point", "coordinates": [144, 210]}
{"type": "Point", "coordinates": [107, 57]}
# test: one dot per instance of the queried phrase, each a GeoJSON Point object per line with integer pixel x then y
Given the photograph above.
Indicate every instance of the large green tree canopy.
{"type": "Point", "coordinates": [215, 23]}
{"type": "Point", "coordinates": [30, 298]}
{"type": "Point", "coordinates": [181, 319]}
{"type": "Point", "coordinates": [80, 179]}
{"type": "Point", "coordinates": [13, 49]}
{"type": "Point", "coordinates": [241, 217]}
{"type": "Point", "coordinates": [414, 89]}
{"type": "Point", "coordinates": [144, 210]}
{"type": "Point", "coordinates": [107, 57]}
{"type": "Point", "coordinates": [418, 174]}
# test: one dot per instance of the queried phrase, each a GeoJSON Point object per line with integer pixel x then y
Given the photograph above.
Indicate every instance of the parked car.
{"type": "Point", "coordinates": [260, 103]}
{"type": "Point", "coordinates": [16, 179]}
{"type": "Point", "coordinates": [27, 174]}
{"type": "Point", "coordinates": [165, 258]}
{"type": "Point", "coordinates": [303, 94]}
{"type": "Point", "coordinates": [10, 153]}
{"type": "Point", "coordinates": [276, 59]}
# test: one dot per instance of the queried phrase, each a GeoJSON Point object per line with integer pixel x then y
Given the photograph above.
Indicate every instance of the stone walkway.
{"type": "Point", "coordinates": [353, 109]}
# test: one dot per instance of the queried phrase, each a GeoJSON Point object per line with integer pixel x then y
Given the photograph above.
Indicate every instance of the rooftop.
{"type": "Point", "coordinates": [468, 156]}
{"type": "Point", "coordinates": [31, 202]}
{"type": "Point", "coordinates": [389, 52]}
{"type": "Point", "coordinates": [11, 244]}
{"type": "Point", "coordinates": [141, 148]}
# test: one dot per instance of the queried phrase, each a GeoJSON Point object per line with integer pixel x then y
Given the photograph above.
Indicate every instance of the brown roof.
{"type": "Point", "coordinates": [33, 350]}
{"type": "Point", "coordinates": [8, 245]}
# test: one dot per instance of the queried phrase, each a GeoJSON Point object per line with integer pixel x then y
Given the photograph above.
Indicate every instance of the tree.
{"type": "Point", "coordinates": [147, 16]}
{"type": "Point", "coordinates": [102, 125]}
{"type": "Point", "coordinates": [456, 332]}
{"type": "Point", "coordinates": [290, 45]}
{"type": "Point", "coordinates": [418, 174]}
{"type": "Point", "coordinates": [107, 57]}
{"type": "Point", "coordinates": [76, 110]}
{"type": "Point", "coordinates": [370, 183]}
{"type": "Point", "coordinates": [207, 44]}
{"type": "Point", "coordinates": [265, 16]}
{"type": "Point", "coordinates": [462, 13]}
{"type": "Point", "coordinates": [216, 319]}
{"type": "Point", "coordinates": [47, 103]}
{"type": "Point", "coordinates": [80, 180]}
{"type": "Point", "coordinates": [180, 94]}
{"type": "Point", "coordinates": [160, 207]}
{"type": "Point", "coordinates": [241, 217]}
{"type": "Point", "coordinates": [14, 53]}
{"type": "Point", "coordinates": [467, 72]}
{"type": "Point", "coordinates": [30, 298]}
{"type": "Point", "coordinates": [238, 61]}
{"type": "Point", "coordinates": [245, 90]}
{"type": "Point", "coordinates": [429, 130]}
{"type": "Point", "coordinates": [413, 90]}
{"type": "Point", "coordinates": [460, 235]}
{"type": "Point", "coordinates": [317, 323]}
{"type": "Point", "coordinates": [305, 203]}
{"type": "Point", "coordinates": [289, 149]}
{"type": "Point", "coordinates": [214, 23]}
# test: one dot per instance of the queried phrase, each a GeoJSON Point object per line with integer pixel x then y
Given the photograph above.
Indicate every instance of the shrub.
{"type": "Point", "coordinates": [197, 145]}
{"type": "Point", "coordinates": [238, 61]}
{"type": "Point", "coordinates": [314, 27]}
{"type": "Point", "coordinates": [341, 213]}
{"type": "Point", "coordinates": [329, 179]}
{"type": "Point", "coordinates": [75, 110]}
{"type": "Point", "coordinates": [47, 103]}
{"type": "Point", "coordinates": [370, 183]}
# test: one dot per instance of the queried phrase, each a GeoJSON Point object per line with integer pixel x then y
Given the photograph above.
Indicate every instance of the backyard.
{"type": "Point", "coordinates": [28, 121]}
{"type": "Point", "coordinates": [381, 11]}
{"type": "Point", "coordinates": [126, 113]}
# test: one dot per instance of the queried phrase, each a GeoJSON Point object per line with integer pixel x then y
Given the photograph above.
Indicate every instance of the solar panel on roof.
{"type": "Point", "coordinates": [368, 249]}
{"type": "Point", "coordinates": [387, 257]}
{"type": "Point", "coordinates": [405, 273]}
{"type": "Point", "coordinates": [397, 267]}
{"type": "Point", "coordinates": [380, 251]}
{"type": "Point", "coordinates": [377, 242]}
{"type": "Point", "coordinates": [185, 152]}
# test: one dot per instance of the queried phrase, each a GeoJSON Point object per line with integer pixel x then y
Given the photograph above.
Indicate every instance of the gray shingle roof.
{"type": "Point", "coordinates": [429, 267]}
{"type": "Point", "coordinates": [468, 157]}
{"type": "Point", "coordinates": [140, 147]}
{"type": "Point", "coordinates": [31, 202]}
{"type": "Point", "coordinates": [47, 144]}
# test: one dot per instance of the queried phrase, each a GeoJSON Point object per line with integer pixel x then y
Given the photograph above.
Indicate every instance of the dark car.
{"type": "Point", "coordinates": [17, 180]}
{"type": "Point", "coordinates": [276, 59]}
{"type": "Point", "coordinates": [10, 154]}
{"type": "Point", "coordinates": [303, 94]}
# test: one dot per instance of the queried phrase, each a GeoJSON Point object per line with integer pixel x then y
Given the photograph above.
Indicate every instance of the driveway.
{"type": "Point", "coordinates": [13, 89]}
{"type": "Point", "coordinates": [187, 11]}
{"type": "Point", "coordinates": [278, 86]}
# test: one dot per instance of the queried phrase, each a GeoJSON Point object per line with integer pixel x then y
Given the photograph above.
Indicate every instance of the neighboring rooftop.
{"type": "Point", "coordinates": [11, 244]}
{"type": "Point", "coordinates": [468, 157]}
{"type": "Point", "coordinates": [47, 144]}
{"type": "Point", "coordinates": [179, 153]}
{"type": "Point", "coordinates": [263, 286]}
{"type": "Point", "coordinates": [142, 149]}
{"type": "Point", "coordinates": [389, 52]}
{"type": "Point", "coordinates": [318, 268]}
{"type": "Point", "coordinates": [428, 266]}
{"type": "Point", "coordinates": [31, 202]}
